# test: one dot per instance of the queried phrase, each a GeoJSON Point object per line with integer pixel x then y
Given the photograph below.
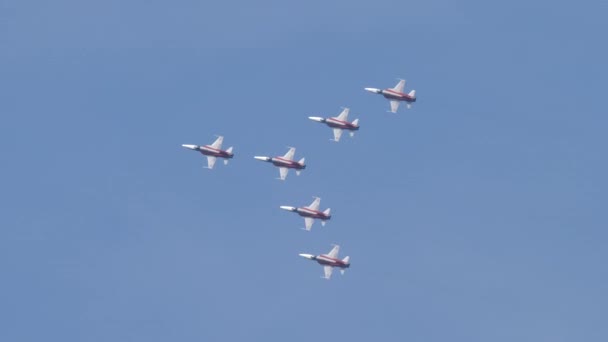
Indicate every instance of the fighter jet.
{"type": "Point", "coordinates": [310, 213]}
{"type": "Point", "coordinates": [285, 163]}
{"type": "Point", "coordinates": [396, 95]}
{"type": "Point", "coordinates": [213, 151]}
{"type": "Point", "coordinates": [329, 261]}
{"type": "Point", "coordinates": [339, 123]}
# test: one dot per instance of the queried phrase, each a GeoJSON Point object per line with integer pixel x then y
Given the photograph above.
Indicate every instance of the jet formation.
{"type": "Point", "coordinates": [312, 212]}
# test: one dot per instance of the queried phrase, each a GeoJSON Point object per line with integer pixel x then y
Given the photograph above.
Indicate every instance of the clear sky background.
{"type": "Point", "coordinates": [478, 215]}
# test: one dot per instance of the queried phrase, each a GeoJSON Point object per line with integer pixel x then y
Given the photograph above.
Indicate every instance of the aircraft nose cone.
{"type": "Point", "coordinates": [316, 118]}
{"type": "Point", "coordinates": [191, 147]}
{"type": "Point", "coordinates": [307, 256]}
{"type": "Point", "coordinates": [373, 90]}
{"type": "Point", "coordinates": [262, 158]}
{"type": "Point", "coordinates": [288, 208]}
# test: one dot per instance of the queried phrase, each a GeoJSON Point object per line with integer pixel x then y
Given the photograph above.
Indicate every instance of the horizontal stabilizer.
{"type": "Point", "coordinates": [229, 150]}
{"type": "Point", "coordinates": [327, 211]}
{"type": "Point", "coordinates": [225, 161]}
{"type": "Point", "coordinates": [346, 259]}
{"type": "Point", "coordinates": [355, 122]}
{"type": "Point", "coordinates": [302, 161]}
{"type": "Point", "coordinates": [412, 93]}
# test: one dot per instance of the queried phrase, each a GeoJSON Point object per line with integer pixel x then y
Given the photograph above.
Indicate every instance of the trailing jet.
{"type": "Point", "coordinates": [329, 261]}
{"type": "Point", "coordinates": [396, 95]}
{"type": "Point", "coordinates": [339, 123]}
{"type": "Point", "coordinates": [213, 151]}
{"type": "Point", "coordinates": [310, 213]}
{"type": "Point", "coordinates": [285, 163]}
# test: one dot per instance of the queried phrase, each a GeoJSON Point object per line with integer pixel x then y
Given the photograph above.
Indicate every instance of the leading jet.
{"type": "Point", "coordinates": [213, 151]}
{"type": "Point", "coordinates": [339, 123]}
{"type": "Point", "coordinates": [329, 261]}
{"type": "Point", "coordinates": [285, 163]}
{"type": "Point", "coordinates": [310, 213]}
{"type": "Point", "coordinates": [396, 95]}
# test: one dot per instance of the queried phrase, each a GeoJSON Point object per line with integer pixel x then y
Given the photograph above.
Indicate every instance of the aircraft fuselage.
{"type": "Point", "coordinates": [395, 95]}
{"type": "Point", "coordinates": [329, 261]}
{"type": "Point", "coordinates": [214, 152]}
{"type": "Point", "coordinates": [335, 123]}
{"type": "Point", "coordinates": [290, 164]}
{"type": "Point", "coordinates": [305, 212]}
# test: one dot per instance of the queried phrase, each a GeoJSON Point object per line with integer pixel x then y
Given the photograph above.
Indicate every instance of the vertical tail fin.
{"type": "Point", "coordinates": [229, 150]}
{"type": "Point", "coordinates": [412, 93]}
{"type": "Point", "coordinates": [356, 122]}
{"type": "Point", "coordinates": [327, 211]}
{"type": "Point", "coordinates": [346, 260]}
{"type": "Point", "coordinates": [302, 161]}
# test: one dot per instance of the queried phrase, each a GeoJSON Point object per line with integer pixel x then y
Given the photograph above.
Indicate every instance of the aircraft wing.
{"type": "Point", "coordinates": [400, 86]}
{"type": "Point", "coordinates": [218, 142]}
{"type": "Point", "coordinates": [334, 252]}
{"type": "Point", "coordinates": [289, 155]}
{"type": "Point", "coordinates": [344, 115]}
{"type": "Point", "coordinates": [283, 171]}
{"type": "Point", "coordinates": [315, 204]}
{"type": "Point", "coordinates": [394, 106]}
{"type": "Point", "coordinates": [337, 134]}
{"type": "Point", "coordinates": [327, 270]}
{"type": "Point", "coordinates": [308, 221]}
{"type": "Point", "coordinates": [210, 162]}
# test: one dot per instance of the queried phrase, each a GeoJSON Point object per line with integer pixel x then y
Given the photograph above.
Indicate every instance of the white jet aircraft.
{"type": "Point", "coordinates": [285, 163]}
{"type": "Point", "coordinates": [339, 123]}
{"type": "Point", "coordinates": [396, 95]}
{"type": "Point", "coordinates": [213, 151]}
{"type": "Point", "coordinates": [329, 261]}
{"type": "Point", "coordinates": [311, 212]}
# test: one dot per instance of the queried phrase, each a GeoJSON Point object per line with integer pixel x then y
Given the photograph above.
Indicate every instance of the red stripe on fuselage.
{"type": "Point", "coordinates": [210, 151]}
{"type": "Point", "coordinates": [279, 161]}
{"type": "Point", "coordinates": [389, 93]}
{"type": "Point", "coordinates": [340, 124]}
{"type": "Point", "coordinates": [331, 262]}
{"type": "Point", "coordinates": [311, 213]}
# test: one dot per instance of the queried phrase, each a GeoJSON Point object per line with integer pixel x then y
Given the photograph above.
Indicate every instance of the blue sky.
{"type": "Point", "coordinates": [479, 215]}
